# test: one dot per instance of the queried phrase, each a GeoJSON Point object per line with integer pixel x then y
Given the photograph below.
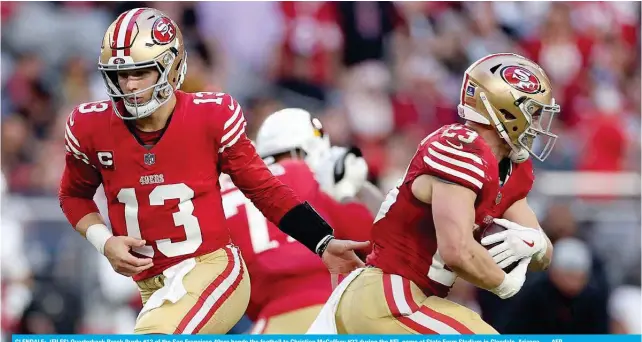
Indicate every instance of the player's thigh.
{"type": "Point", "coordinates": [410, 307]}
{"type": "Point", "coordinates": [453, 318]}
{"type": "Point", "coordinates": [363, 308]}
{"type": "Point", "coordinates": [377, 303]}
{"type": "Point", "coordinates": [218, 291]}
{"type": "Point", "coordinates": [292, 322]}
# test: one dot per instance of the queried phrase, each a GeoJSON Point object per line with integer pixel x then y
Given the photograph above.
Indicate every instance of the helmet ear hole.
{"type": "Point", "coordinates": [507, 115]}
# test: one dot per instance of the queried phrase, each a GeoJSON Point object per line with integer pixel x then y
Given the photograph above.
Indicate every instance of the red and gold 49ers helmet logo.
{"type": "Point", "coordinates": [163, 31]}
{"type": "Point", "coordinates": [521, 79]}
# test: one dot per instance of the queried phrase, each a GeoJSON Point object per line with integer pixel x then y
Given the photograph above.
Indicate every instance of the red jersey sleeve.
{"type": "Point", "coordinates": [80, 178]}
{"type": "Point", "coordinates": [238, 158]}
{"type": "Point", "coordinates": [455, 155]}
{"type": "Point", "coordinates": [526, 176]}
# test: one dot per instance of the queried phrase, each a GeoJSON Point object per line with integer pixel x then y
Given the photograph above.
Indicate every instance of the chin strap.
{"type": "Point", "coordinates": [520, 156]}
{"type": "Point", "coordinates": [517, 154]}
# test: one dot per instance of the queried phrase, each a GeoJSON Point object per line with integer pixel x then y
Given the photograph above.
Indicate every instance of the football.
{"type": "Point", "coordinates": [490, 230]}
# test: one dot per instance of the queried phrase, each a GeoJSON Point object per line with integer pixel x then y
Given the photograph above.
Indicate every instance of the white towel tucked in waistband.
{"type": "Point", "coordinates": [173, 290]}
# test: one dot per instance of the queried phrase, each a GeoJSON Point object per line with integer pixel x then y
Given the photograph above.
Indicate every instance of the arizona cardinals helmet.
{"type": "Point", "coordinates": [290, 129]}
{"type": "Point", "coordinates": [514, 95]}
{"type": "Point", "coordinates": [142, 38]}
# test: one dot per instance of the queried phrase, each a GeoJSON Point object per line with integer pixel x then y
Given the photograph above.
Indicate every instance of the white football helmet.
{"type": "Point", "coordinates": [290, 129]}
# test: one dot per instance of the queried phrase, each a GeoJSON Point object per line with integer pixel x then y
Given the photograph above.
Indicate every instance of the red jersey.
{"type": "Point", "coordinates": [285, 275]}
{"type": "Point", "coordinates": [404, 233]}
{"type": "Point", "coordinates": [167, 194]}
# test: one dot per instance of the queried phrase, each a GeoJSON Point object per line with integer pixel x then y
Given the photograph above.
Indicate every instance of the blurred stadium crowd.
{"type": "Point", "coordinates": [380, 76]}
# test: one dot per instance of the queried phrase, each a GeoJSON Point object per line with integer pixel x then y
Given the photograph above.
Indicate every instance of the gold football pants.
{"type": "Point", "coordinates": [218, 291]}
{"type": "Point", "coordinates": [292, 322]}
{"type": "Point", "coordinates": [378, 303]}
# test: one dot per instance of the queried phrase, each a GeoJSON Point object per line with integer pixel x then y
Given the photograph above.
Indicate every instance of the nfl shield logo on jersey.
{"type": "Point", "coordinates": [150, 158]}
{"type": "Point", "coordinates": [498, 198]}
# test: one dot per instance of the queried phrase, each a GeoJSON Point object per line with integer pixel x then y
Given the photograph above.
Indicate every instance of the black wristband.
{"type": "Point", "coordinates": [305, 225]}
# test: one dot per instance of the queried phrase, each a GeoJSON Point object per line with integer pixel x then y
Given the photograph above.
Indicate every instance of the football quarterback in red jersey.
{"type": "Point", "coordinates": [289, 284]}
{"type": "Point", "coordinates": [158, 153]}
{"type": "Point", "coordinates": [462, 177]}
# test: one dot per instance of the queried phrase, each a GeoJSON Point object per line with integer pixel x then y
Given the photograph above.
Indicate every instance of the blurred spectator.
{"type": "Point", "coordinates": [624, 310]}
{"type": "Point", "coordinates": [28, 70]}
{"type": "Point", "coordinates": [369, 109]}
{"type": "Point", "coordinates": [75, 82]}
{"type": "Point", "coordinates": [244, 37]}
{"type": "Point", "coordinates": [367, 102]}
{"type": "Point", "coordinates": [486, 34]}
{"type": "Point", "coordinates": [308, 59]}
{"type": "Point", "coordinates": [54, 309]}
{"type": "Point", "coordinates": [16, 271]}
{"type": "Point", "coordinates": [367, 28]}
{"type": "Point", "coordinates": [559, 222]}
{"type": "Point", "coordinates": [15, 137]}
{"type": "Point", "coordinates": [258, 108]}
{"type": "Point", "coordinates": [420, 101]}
{"type": "Point", "coordinates": [568, 299]}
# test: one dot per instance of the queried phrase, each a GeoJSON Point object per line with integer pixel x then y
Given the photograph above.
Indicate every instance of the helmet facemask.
{"type": "Point", "coordinates": [540, 118]}
{"type": "Point", "coordinates": [162, 89]}
{"type": "Point", "coordinates": [535, 114]}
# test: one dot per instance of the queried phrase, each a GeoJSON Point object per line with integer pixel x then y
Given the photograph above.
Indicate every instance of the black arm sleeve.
{"type": "Point", "coordinates": [305, 225]}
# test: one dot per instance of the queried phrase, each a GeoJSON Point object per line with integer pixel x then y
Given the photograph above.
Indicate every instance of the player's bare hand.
{"type": "Point", "coordinates": [339, 257]}
{"type": "Point", "coordinates": [117, 251]}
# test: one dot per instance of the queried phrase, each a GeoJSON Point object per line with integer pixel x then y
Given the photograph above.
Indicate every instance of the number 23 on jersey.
{"type": "Point", "coordinates": [462, 135]}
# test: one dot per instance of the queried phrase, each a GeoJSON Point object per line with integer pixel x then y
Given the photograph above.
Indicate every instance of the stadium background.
{"type": "Point", "coordinates": [380, 76]}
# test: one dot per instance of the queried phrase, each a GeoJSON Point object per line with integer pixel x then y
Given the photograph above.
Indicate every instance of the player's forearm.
{"type": "Point", "coordinates": [474, 264]}
{"type": "Point", "coordinates": [82, 213]}
{"type": "Point", "coordinates": [273, 198]}
{"type": "Point", "coordinates": [371, 196]}
{"type": "Point", "coordinates": [543, 263]}
{"type": "Point", "coordinates": [93, 228]}
{"type": "Point", "coordinates": [76, 207]}
{"type": "Point", "coordinates": [88, 221]}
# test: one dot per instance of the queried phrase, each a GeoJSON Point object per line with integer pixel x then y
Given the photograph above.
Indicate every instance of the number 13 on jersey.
{"type": "Point", "coordinates": [183, 217]}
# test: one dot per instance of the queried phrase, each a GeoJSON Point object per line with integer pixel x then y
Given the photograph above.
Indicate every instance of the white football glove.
{"type": "Point", "coordinates": [342, 172]}
{"type": "Point", "coordinates": [517, 242]}
{"type": "Point", "coordinates": [513, 281]}
{"type": "Point", "coordinates": [350, 173]}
